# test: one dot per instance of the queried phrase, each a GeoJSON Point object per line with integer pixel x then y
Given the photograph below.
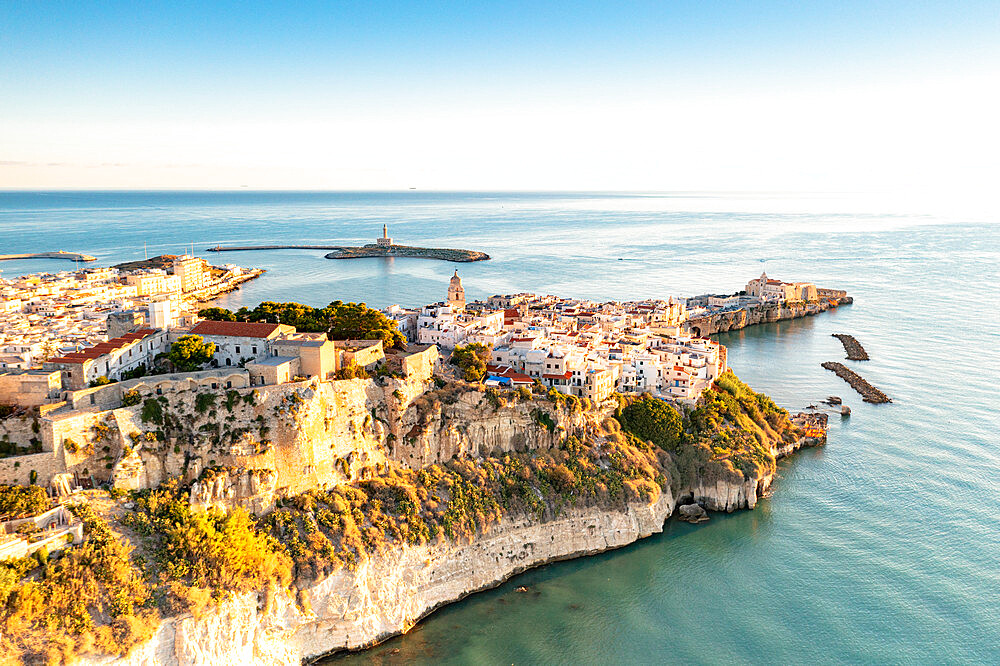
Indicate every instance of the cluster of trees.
{"type": "Point", "coordinates": [472, 360]}
{"type": "Point", "coordinates": [340, 320]}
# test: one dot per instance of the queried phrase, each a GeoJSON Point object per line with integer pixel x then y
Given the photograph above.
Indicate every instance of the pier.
{"type": "Point", "coordinates": [58, 254]}
{"type": "Point", "coordinates": [368, 251]}
{"type": "Point", "coordinates": [242, 248]}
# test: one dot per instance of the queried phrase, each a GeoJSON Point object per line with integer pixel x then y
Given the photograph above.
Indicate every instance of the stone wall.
{"type": "Point", "coordinates": [20, 430]}
{"type": "Point", "coordinates": [17, 470]}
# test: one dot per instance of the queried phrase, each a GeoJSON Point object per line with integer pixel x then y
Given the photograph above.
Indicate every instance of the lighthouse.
{"type": "Point", "coordinates": [385, 241]}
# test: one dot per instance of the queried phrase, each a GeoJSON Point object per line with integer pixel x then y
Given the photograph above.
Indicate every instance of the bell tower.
{"type": "Point", "coordinates": [456, 293]}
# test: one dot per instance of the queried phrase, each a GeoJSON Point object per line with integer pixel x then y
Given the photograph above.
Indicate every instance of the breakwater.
{"type": "Point", "coordinates": [855, 352]}
{"type": "Point", "coordinates": [440, 253]}
{"type": "Point", "coordinates": [58, 254]}
{"type": "Point", "coordinates": [368, 251]}
{"type": "Point", "coordinates": [732, 320]}
{"type": "Point", "coordinates": [243, 248]}
{"type": "Point", "coordinates": [857, 382]}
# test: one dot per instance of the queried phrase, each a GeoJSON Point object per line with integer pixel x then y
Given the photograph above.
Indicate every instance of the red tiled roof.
{"type": "Point", "coordinates": [565, 375]}
{"type": "Point", "coordinates": [238, 329]}
{"type": "Point", "coordinates": [102, 348]}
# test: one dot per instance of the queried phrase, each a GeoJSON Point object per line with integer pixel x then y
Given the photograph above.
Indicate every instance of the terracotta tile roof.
{"type": "Point", "coordinates": [565, 375]}
{"type": "Point", "coordinates": [238, 329]}
{"type": "Point", "coordinates": [102, 348]}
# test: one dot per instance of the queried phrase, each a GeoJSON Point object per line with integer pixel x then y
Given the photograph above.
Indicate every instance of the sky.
{"type": "Point", "coordinates": [636, 96]}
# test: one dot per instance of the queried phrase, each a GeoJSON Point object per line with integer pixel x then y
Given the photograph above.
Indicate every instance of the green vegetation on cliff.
{"type": "Point", "coordinates": [101, 597]}
{"type": "Point", "coordinates": [727, 435]}
{"type": "Point", "coordinates": [17, 501]}
{"type": "Point", "coordinates": [92, 599]}
{"type": "Point", "coordinates": [325, 530]}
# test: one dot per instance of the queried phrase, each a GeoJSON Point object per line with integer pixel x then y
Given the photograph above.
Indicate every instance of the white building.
{"type": "Point", "coordinates": [238, 342]}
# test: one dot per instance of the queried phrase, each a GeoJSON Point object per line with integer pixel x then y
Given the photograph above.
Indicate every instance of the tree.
{"type": "Point", "coordinates": [357, 321]}
{"type": "Point", "coordinates": [472, 359]}
{"type": "Point", "coordinates": [341, 321]}
{"type": "Point", "coordinates": [190, 352]}
{"type": "Point", "coordinates": [216, 314]}
{"type": "Point", "coordinates": [302, 317]}
{"type": "Point", "coordinates": [652, 419]}
{"type": "Point", "coordinates": [101, 381]}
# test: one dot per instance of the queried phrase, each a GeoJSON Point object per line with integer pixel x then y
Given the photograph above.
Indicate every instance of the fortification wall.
{"type": "Point", "coordinates": [19, 430]}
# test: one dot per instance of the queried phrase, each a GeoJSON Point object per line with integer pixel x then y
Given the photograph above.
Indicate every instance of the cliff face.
{"type": "Point", "coordinates": [387, 594]}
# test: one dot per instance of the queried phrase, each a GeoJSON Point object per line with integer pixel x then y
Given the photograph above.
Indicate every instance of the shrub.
{"type": "Point", "coordinates": [22, 501]}
{"type": "Point", "coordinates": [652, 419]}
{"type": "Point", "coordinates": [130, 398]}
{"type": "Point", "coordinates": [203, 402]}
{"type": "Point", "coordinates": [152, 411]}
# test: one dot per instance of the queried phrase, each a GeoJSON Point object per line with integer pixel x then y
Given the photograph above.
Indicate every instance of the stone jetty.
{"type": "Point", "coordinates": [868, 392]}
{"type": "Point", "coordinates": [372, 250]}
{"type": "Point", "coordinates": [58, 254]}
{"type": "Point", "coordinates": [855, 352]}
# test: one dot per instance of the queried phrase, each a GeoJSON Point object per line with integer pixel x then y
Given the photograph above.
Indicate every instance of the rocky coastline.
{"type": "Point", "coordinates": [868, 392]}
{"type": "Point", "coordinates": [733, 320]}
{"type": "Point", "coordinates": [389, 593]}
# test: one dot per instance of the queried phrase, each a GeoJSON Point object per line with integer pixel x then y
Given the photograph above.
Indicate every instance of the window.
{"type": "Point", "coordinates": [254, 348]}
{"type": "Point", "coordinates": [237, 349]}
{"type": "Point", "coordinates": [229, 385]}
{"type": "Point", "coordinates": [229, 361]}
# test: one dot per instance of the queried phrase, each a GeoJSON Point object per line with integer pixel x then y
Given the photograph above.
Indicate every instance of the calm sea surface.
{"type": "Point", "coordinates": [882, 547]}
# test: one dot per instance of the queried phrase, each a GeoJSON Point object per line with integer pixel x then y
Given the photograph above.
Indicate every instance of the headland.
{"type": "Point", "coordinates": [292, 493]}
{"type": "Point", "coordinates": [764, 301]}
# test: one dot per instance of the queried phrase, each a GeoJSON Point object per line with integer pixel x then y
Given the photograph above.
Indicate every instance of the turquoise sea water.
{"type": "Point", "coordinates": [882, 547]}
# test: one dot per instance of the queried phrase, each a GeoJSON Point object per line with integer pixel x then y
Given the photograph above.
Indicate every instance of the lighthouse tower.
{"type": "Point", "coordinates": [385, 241]}
{"type": "Point", "coordinates": [456, 293]}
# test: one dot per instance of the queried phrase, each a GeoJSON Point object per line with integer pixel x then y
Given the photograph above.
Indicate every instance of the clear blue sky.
{"type": "Point", "coordinates": [465, 95]}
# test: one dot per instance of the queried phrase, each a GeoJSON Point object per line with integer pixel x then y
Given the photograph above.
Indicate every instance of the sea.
{"type": "Point", "coordinates": [881, 547]}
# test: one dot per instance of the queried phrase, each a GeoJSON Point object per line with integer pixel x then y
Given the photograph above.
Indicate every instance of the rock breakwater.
{"type": "Point", "coordinates": [855, 352]}
{"type": "Point", "coordinates": [858, 383]}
